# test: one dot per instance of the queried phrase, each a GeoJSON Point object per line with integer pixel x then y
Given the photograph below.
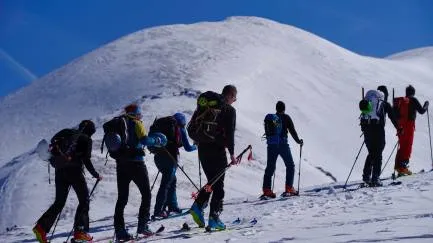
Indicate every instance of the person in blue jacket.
{"type": "Point", "coordinates": [166, 160]}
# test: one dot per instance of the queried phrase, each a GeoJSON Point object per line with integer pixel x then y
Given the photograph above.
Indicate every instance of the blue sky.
{"type": "Point", "coordinates": [37, 37]}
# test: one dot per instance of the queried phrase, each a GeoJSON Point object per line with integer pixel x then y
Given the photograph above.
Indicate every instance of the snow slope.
{"type": "Point", "coordinates": [163, 69]}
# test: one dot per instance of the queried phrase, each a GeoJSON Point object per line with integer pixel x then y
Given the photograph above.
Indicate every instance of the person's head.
{"type": "Point", "coordinates": [180, 119]}
{"type": "Point", "coordinates": [229, 92]}
{"type": "Point", "coordinates": [133, 110]}
{"type": "Point", "coordinates": [384, 90]}
{"type": "Point", "coordinates": [410, 91]}
{"type": "Point", "coordinates": [87, 127]}
{"type": "Point", "coordinates": [280, 107]}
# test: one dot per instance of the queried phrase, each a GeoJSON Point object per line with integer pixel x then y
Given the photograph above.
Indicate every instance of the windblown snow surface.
{"type": "Point", "coordinates": [164, 69]}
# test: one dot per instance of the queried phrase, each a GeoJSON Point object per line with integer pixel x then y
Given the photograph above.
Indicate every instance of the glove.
{"type": "Point", "coordinates": [426, 104]}
{"type": "Point", "coordinates": [160, 139]}
{"type": "Point", "coordinates": [233, 159]}
{"type": "Point", "coordinates": [301, 142]}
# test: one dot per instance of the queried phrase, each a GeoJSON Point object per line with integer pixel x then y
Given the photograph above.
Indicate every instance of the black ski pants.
{"type": "Point", "coordinates": [213, 160]}
{"type": "Point", "coordinates": [374, 137]}
{"type": "Point", "coordinates": [128, 171]}
{"type": "Point", "coordinates": [66, 178]}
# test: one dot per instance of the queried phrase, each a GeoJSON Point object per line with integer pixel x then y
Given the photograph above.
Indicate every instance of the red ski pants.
{"type": "Point", "coordinates": [405, 141]}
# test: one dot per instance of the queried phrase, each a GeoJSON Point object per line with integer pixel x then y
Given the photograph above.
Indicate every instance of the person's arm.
{"type": "Point", "coordinates": [230, 130]}
{"type": "Point", "coordinates": [147, 140]}
{"type": "Point", "coordinates": [86, 160]}
{"type": "Point", "coordinates": [185, 142]}
{"type": "Point", "coordinates": [420, 109]}
{"type": "Point", "coordinates": [292, 130]}
{"type": "Point", "coordinates": [391, 115]}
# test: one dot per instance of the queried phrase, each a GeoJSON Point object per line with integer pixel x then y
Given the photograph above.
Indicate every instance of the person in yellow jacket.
{"type": "Point", "coordinates": [131, 167]}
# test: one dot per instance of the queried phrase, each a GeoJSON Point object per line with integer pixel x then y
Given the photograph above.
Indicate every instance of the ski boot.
{"type": "Point", "coordinates": [215, 224]}
{"type": "Point", "coordinates": [40, 234]}
{"type": "Point", "coordinates": [160, 215]}
{"type": "Point", "coordinates": [143, 230]}
{"type": "Point", "coordinates": [122, 235]}
{"type": "Point", "coordinates": [81, 237]}
{"type": "Point", "coordinates": [197, 214]}
{"type": "Point", "coordinates": [376, 183]}
{"type": "Point", "coordinates": [267, 194]}
{"type": "Point", "coordinates": [290, 191]}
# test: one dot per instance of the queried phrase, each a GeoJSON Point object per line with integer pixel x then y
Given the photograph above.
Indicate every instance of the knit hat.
{"type": "Point", "coordinates": [87, 127]}
{"type": "Point", "coordinates": [410, 91]}
{"type": "Point", "coordinates": [133, 109]}
{"type": "Point", "coordinates": [180, 119]}
{"type": "Point", "coordinates": [280, 107]}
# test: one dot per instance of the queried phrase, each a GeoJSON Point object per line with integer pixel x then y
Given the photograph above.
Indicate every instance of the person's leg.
{"type": "Point", "coordinates": [141, 179]}
{"type": "Point", "coordinates": [79, 185]}
{"type": "Point", "coordinates": [379, 145]}
{"type": "Point", "coordinates": [123, 180]}
{"type": "Point", "coordinates": [368, 165]}
{"type": "Point", "coordinates": [286, 155]}
{"type": "Point", "coordinates": [172, 195]}
{"type": "Point", "coordinates": [271, 161]}
{"type": "Point", "coordinates": [49, 217]}
{"type": "Point", "coordinates": [165, 167]}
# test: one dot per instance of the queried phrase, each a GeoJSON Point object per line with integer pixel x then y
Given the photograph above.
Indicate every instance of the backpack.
{"type": "Point", "coordinates": [371, 107]}
{"type": "Point", "coordinates": [63, 148]}
{"type": "Point", "coordinates": [401, 108]}
{"type": "Point", "coordinates": [273, 128]}
{"type": "Point", "coordinates": [167, 126]}
{"type": "Point", "coordinates": [115, 136]}
{"type": "Point", "coordinates": [205, 125]}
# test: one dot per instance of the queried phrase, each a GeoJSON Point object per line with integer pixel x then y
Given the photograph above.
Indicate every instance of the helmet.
{"type": "Point", "coordinates": [113, 141]}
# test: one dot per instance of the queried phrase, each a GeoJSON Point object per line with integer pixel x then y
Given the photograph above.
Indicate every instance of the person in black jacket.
{"type": "Point", "coordinates": [405, 139]}
{"type": "Point", "coordinates": [69, 173]}
{"type": "Point", "coordinates": [281, 147]}
{"type": "Point", "coordinates": [374, 136]}
{"type": "Point", "coordinates": [213, 159]}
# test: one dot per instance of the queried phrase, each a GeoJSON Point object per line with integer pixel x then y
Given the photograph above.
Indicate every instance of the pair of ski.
{"type": "Point", "coordinates": [187, 232]}
{"type": "Point", "coordinates": [137, 238]}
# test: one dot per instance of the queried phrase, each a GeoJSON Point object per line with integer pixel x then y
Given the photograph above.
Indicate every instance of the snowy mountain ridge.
{"type": "Point", "coordinates": [164, 68]}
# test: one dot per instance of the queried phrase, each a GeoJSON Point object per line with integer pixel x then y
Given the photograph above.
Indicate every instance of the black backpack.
{"type": "Point", "coordinates": [167, 126]}
{"type": "Point", "coordinates": [205, 125]}
{"type": "Point", "coordinates": [63, 148]}
{"type": "Point", "coordinates": [116, 127]}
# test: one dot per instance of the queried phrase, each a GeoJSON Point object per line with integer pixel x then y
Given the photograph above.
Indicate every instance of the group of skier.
{"type": "Point", "coordinates": [212, 128]}
{"type": "Point", "coordinates": [374, 109]}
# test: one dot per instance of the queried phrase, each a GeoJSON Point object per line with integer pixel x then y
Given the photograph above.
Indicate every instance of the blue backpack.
{"type": "Point", "coordinates": [273, 128]}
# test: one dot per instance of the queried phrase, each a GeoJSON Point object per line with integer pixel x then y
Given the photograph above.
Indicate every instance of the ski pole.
{"type": "Point", "coordinates": [90, 195]}
{"type": "Point", "coordinates": [345, 184]}
{"type": "Point", "coordinates": [58, 218]}
{"type": "Point", "coordinates": [273, 182]}
{"type": "Point", "coordinates": [395, 146]}
{"type": "Point", "coordinates": [210, 183]}
{"type": "Point", "coordinates": [199, 169]}
{"type": "Point", "coordinates": [429, 134]}
{"type": "Point", "coordinates": [153, 184]}
{"type": "Point", "coordinates": [177, 165]}
{"type": "Point", "coordinates": [299, 172]}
